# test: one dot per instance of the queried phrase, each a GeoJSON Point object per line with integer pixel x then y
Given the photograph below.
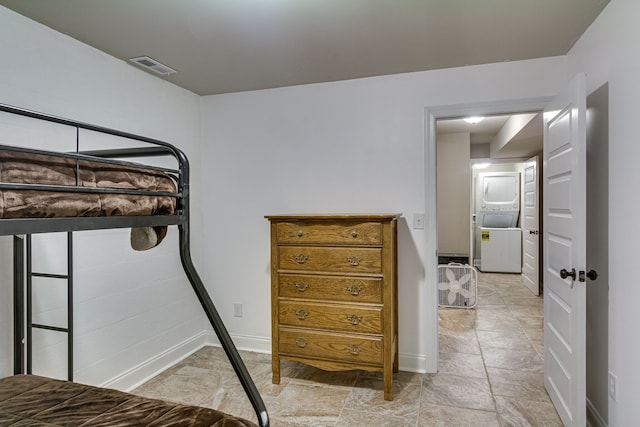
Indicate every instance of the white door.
{"type": "Point", "coordinates": [564, 194]}
{"type": "Point", "coordinates": [531, 227]}
{"type": "Point", "coordinates": [472, 216]}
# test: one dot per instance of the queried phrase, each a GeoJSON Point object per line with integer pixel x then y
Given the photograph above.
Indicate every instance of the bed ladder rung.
{"type": "Point", "coordinates": [50, 328]}
{"type": "Point", "coordinates": [50, 276]}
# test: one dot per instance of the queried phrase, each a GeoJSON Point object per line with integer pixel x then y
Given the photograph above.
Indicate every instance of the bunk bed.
{"type": "Point", "coordinates": [44, 191]}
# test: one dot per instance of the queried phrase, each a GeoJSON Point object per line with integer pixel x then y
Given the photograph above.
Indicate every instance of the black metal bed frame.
{"type": "Point", "coordinates": [28, 226]}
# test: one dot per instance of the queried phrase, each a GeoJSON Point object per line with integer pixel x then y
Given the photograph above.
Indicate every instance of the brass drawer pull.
{"type": "Point", "coordinates": [354, 290]}
{"type": "Point", "coordinates": [354, 234]}
{"type": "Point", "coordinates": [354, 349]}
{"type": "Point", "coordinates": [301, 286]}
{"type": "Point", "coordinates": [354, 260]}
{"type": "Point", "coordinates": [301, 342]}
{"type": "Point", "coordinates": [301, 314]}
{"type": "Point", "coordinates": [301, 259]}
{"type": "Point", "coordinates": [354, 319]}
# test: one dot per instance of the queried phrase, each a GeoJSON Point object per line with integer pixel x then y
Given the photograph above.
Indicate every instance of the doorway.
{"type": "Point", "coordinates": [596, 401]}
{"type": "Point", "coordinates": [487, 193]}
{"type": "Point", "coordinates": [506, 328]}
{"type": "Point", "coordinates": [431, 170]}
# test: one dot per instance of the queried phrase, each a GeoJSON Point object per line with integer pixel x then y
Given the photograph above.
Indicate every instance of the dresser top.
{"type": "Point", "coordinates": [319, 217]}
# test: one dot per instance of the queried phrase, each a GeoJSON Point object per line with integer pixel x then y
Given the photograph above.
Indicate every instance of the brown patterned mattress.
{"type": "Point", "coordinates": [29, 400]}
{"type": "Point", "coordinates": [29, 168]}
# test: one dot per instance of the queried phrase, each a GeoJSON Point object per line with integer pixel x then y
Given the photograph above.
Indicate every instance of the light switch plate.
{"type": "Point", "coordinates": [237, 310]}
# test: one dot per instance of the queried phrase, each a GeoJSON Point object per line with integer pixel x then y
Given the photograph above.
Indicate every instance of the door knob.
{"type": "Point", "coordinates": [592, 275]}
{"type": "Point", "coordinates": [534, 232]}
{"type": "Point", "coordinates": [564, 274]}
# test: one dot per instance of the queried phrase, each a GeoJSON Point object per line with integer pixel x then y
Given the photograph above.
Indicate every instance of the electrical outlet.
{"type": "Point", "coordinates": [613, 386]}
{"type": "Point", "coordinates": [418, 221]}
{"type": "Point", "coordinates": [237, 310]}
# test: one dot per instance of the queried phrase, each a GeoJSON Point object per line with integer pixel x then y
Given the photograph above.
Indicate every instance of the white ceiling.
{"type": "Point", "coordinates": [221, 46]}
{"type": "Point", "coordinates": [523, 141]}
{"type": "Point", "coordinates": [481, 133]}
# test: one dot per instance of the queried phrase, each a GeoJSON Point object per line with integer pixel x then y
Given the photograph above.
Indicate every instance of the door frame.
{"type": "Point", "coordinates": [537, 161]}
{"type": "Point", "coordinates": [432, 114]}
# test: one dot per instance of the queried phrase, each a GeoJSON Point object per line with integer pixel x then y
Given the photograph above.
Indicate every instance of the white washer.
{"type": "Point", "coordinates": [501, 250]}
{"type": "Point", "coordinates": [499, 197]}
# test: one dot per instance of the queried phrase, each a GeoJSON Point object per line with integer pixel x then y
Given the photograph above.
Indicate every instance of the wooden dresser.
{"type": "Point", "coordinates": [334, 292]}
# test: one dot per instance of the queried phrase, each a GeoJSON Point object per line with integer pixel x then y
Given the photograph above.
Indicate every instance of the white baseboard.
{"type": "Point", "coordinates": [143, 372]}
{"type": "Point", "coordinates": [249, 343]}
{"type": "Point", "coordinates": [594, 419]}
{"type": "Point", "coordinates": [412, 362]}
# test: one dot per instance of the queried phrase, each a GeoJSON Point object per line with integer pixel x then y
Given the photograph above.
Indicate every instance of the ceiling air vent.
{"type": "Point", "coordinates": [153, 65]}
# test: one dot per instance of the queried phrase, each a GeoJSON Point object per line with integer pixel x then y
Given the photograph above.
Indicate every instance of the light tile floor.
{"type": "Point", "coordinates": [491, 374]}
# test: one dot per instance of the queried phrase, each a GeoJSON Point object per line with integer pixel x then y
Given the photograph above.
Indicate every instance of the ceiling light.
{"type": "Point", "coordinates": [153, 65]}
{"type": "Point", "coordinates": [481, 165]}
{"type": "Point", "coordinates": [473, 120]}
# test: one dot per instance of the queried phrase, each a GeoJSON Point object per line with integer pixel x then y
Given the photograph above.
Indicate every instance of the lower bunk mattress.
{"type": "Point", "coordinates": [28, 168]}
{"type": "Point", "coordinates": [29, 400]}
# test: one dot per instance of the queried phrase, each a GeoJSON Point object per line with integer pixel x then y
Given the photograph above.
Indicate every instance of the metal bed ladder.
{"type": "Point", "coordinates": [19, 271]}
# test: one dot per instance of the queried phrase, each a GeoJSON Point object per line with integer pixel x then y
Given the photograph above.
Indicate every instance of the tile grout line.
{"type": "Point", "coordinates": [484, 364]}
{"type": "Point", "coordinates": [417, 424]}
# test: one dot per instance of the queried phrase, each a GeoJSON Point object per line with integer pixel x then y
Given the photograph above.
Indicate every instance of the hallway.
{"type": "Point", "coordinates": [499, 347]}
{"type": "Point", "coordinates": [491, 374]}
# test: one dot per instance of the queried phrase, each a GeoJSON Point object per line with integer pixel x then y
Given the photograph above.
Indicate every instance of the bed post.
{"type": "Point", "coordinates": [18, 305]}
{"type": "Point", "coordinates": [206, 302]}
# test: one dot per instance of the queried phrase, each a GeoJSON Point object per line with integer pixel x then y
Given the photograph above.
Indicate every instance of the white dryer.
{"type": "Point", "coordinates": [499, 197]}
{"type": "Point", "coordinates": [500, 239]}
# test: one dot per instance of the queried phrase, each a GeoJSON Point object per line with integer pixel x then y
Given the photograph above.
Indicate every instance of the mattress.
{"type": "Point", "coordinates": [27, 400]}
{"type": "Point", "coordinates": [41, 169]}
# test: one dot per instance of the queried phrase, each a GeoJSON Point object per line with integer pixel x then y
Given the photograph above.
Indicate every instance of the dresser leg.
{"type": "Point", "coordinates": [388, 384]}
{"type": "Point", "coordinates": [275, 367]}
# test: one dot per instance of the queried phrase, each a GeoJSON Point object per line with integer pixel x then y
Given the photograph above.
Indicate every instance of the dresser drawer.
{"type": "Point", "coordinates": [352, 233]}
{"type": "Point", "coordinates": [331, 346]}
{"type": "Point", "coordinates": [331, 288]}
{"type": "Point", "coordinates": [335, 317]}
{"type": "Point", "coordinates": [331, 259]}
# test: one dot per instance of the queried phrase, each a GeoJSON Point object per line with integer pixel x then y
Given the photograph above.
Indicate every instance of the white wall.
{"type": "Point", "coordinates": [130, 307]}
{"type": "Point", "coordinates": [598, 253]}
{"type": "Point", "coordinates": [607, 52]}
{"type": "Point", "coordinates": [454, 193]}
{"type": "Point", "coordinates": [352, 146]}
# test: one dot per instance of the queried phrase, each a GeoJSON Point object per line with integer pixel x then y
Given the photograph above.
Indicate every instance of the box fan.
{"type": "Point", "coordinates": [457, 286]}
